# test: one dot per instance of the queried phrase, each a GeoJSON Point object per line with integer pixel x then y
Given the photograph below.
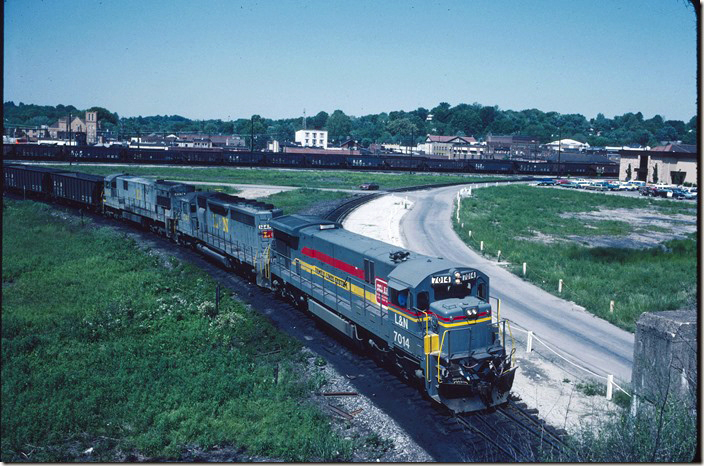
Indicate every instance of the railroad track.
{"type": "Point", "coordinates": [492, 436]}
{"type": "Point", "coordinates": [339, 213]}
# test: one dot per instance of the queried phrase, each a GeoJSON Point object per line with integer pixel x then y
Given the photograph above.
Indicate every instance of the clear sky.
{"type": "Point", "coordinates": [229, 59]}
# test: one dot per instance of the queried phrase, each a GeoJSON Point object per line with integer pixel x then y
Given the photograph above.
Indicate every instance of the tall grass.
{"type": "Point", "coordinates": [509, 218]}
{"type": "Point", "coordinates": [666, 432]}
{"type": "Point", "coordinates": [298, 200]}
{"type": "Point", "coordinates": [301, 178]}
{"type": "Point", "coordinates": [108, 347]}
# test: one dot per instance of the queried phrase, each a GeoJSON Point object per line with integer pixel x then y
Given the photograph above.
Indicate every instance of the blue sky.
{"type": "Point", "coordinates": [229, 59]}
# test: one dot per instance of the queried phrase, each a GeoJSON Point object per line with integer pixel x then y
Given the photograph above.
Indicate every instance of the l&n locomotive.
{"type": "Point", "coordinates": [429, 317]}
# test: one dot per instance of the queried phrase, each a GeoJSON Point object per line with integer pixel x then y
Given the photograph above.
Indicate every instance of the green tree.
{"type": "Point", "coordinates": [655, 173]}
{"type": "Point", "coordinates": [403, 127]}
{"type": "Point", "coordinates": [629, 172]}
{"type": "Point", "coordinates": [338, 125]}
{"type": "Point", "coordinates": [105, 115]}
{"type": "Point", "coordinates": [319, 121]}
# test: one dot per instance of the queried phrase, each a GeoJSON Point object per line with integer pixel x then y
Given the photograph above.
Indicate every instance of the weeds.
{"type": "Point", "coordinates": [106, 348]}
{"type": "Point", "coordinates": [637, 280]}
{"type": "Point", "coordinates": [302, 178]}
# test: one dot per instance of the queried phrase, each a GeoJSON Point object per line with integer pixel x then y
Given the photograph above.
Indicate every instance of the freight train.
{"type": "Point", "coordinates": [427, 317]}
{"type": "Point", "coordinates": [341, 160]}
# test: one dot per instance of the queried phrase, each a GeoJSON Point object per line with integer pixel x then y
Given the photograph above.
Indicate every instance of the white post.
{"type": "Point", "coordinates": [458, 206]}
{"type": "Point", "coordinates": [524, 269]}
{"type": "Point", "coordinates": [481, 245]}
{"type": "Point", "coordinates": [470, 192]}
{"type": "Point", "coordinates": [529, 344]}
{"type": "Point", "coordinates": [498, 256]}
{"type": "Point", "coordinates": [609, 386]}
{"type": "Point", "coordinates": [611, 306]}
{"type": "Point", "coordinates": [470, 233]}
{"type": "Point", "coordinates": [462, 224]}
{"type": "Point", "coordinates": [559, 286]}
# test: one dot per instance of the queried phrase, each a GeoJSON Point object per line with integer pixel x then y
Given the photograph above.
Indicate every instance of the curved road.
{"type": "Point", "coordinates": [582, 337]}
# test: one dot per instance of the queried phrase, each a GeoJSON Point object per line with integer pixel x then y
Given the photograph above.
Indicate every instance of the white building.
{"type": "Point", "coordinates": [567, 144]}
{"type": "Point", "coordinates": [312, 138]}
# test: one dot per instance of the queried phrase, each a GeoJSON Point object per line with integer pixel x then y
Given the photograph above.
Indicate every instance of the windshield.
{"type": "Point", "coordinates": [452, 291]}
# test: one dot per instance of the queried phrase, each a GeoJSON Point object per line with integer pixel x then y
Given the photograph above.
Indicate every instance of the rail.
{"type": "Point", "coordinates": [339, 213]}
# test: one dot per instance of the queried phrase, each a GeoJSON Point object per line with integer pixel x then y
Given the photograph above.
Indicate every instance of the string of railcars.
{"type": "Point", "coordinates": [429, 318]}
{"type": "Point", "coordinates": [343, 160]}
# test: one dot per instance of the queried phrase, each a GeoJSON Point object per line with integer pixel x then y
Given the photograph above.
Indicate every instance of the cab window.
{"type": "Point", "coordinates": [481, 291]}
{"type": "Point", "coordinates": [399, 298]}
{"type": "Point", "coordinates": [423, 299]}
{"type": "Point", "coordinates": [452, 291]}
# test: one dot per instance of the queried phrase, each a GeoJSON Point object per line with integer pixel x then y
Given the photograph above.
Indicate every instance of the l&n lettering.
{"type": "Point", "coordinates": [401, 321]}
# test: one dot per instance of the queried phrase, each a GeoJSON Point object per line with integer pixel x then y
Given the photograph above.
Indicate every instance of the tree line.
{"type": "Point", "coordinates": [399, 127]}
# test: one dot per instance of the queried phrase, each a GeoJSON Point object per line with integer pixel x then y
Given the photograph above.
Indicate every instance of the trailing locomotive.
{"type": "Point", "coordinates": [217, 157]}
{"type": "Point", "coordinates": [428, 317]}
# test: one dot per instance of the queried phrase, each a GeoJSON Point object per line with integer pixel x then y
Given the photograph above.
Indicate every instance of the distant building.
{"type": "Point", "coordinates": [513, 147]}
{"type": "Point", "coordinates": [273, 146]}
{"type": "Point", "coordinates": [90, 127]}
{"type": "Point", "coordinates": [567, 144]}
{"type": "Point", "coordinates": [452, 147]}
{"type": "Point", "coordinates": [674, 163]}
{"type": "Point", "coordinates": [312, 138]}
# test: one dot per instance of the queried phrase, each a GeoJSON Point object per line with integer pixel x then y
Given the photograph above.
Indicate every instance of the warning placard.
{"type": "Point", "coordinates": [382, 291]}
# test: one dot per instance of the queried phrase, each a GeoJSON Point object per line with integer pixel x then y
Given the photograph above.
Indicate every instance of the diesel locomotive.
{"type": "Point", "coordinates": [428, 317]}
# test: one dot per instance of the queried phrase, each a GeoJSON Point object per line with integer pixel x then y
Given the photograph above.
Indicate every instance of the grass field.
{"type": "Point", "coordinates": [529, 225]}
{"type": "Point", "coordinates": [108, 347]}
{"type": "Point", "coordinates": [299, 200]}
{"type": "Point", "coordinates": [302, 178]}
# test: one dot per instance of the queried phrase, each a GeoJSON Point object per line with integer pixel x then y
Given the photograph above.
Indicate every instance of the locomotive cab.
{"type": "Point", "coordinates": [467, 365]}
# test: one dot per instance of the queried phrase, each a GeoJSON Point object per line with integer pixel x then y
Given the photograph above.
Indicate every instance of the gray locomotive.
{"type": "Point", "coordinates": [429, 317]}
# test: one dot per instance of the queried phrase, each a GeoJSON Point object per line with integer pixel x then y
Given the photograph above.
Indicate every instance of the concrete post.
{"type": "Point", "coordinates": [529, 343]}
{"type": "Point", "coordinates": [611, 306]}
{"type": "Point", "coordinates": [498, 256]}
{"type": "Point", "coordinates": [470, 233]}
{"type": "Point", "coordinates": [481, 245]}
{"type": "Point", "coordinates": [559, 286]}
{"type": "Point", "coordinates": [609, 386]}
{"type": "Point", "coordinates": [524, 269]}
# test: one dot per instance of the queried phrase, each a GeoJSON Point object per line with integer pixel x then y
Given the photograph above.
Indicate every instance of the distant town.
{"type": "Point", "coordinates": [661, 143]}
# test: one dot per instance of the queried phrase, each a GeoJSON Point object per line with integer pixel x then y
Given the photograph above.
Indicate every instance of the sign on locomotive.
{"type": "Point", "coordinates": [427, 316]}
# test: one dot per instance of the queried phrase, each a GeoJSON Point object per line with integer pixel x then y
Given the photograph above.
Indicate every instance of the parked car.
{"type": "Point", "coordinates": [682, 194]}
{"type": "Point", "coordinates": [634, 185]}
{"type": "Point", "coordinates": [598, 186]}
{"type": "Point", "coordinates": [571, 184]}
{"type": "Point", "coordinates": [660, 191]}
{"type": "Point", "coordinates": [546, 182]}
{"type": "Point", "coordinates": [646, 191]}
{"type": "Point", "coordinates": [368, 186]}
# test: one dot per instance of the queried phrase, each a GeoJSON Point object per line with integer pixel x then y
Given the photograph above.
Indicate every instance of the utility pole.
{"type": "Point", "coordinates": [559, 152]}
{"type": "Point", "coordinates": [251, 142]}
